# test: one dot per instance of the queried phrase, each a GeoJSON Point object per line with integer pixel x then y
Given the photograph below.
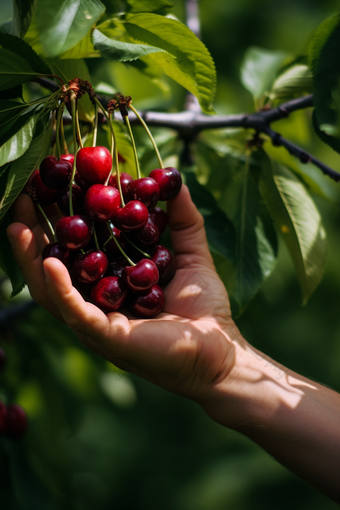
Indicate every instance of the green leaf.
{"type": "Point", "coordinates": [259, 69]}
{"type": "Point", "coordinates": [18, 144]}
{"type": "Point", "coordinates": [7, 262]}
{"type": "Point", "coordinates": [14, 70]}
{"type": "Point", "coordinates": [156, 6]}
{"type": "Point", "coordinates": [20, 172]}
{"type": "Point", "coordinates": [63, 24]}
{"type": "Point", "coordinates": [23, 11]}
{"type": "Point", "coordinates": [188, 61]}
{"type": "Point", "coordinates": [332, 141]}
{"type": "Point", "coordinates": [320, 36]}
{"type": "Point", "coordinates": [83, 49]}
{"type": "Point", "coordinates": [120, 51]}
{"type": "Point", "coordinates": [294, 82]}
{"type": "Point", "coordinates": [298, 221]}
{"type": "Point", "coordinates": [24, 50]}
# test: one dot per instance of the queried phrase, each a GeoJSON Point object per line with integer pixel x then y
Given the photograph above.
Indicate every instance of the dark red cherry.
{"type": "Point", "coordinates": [77, 200]}
{"type": "Point", "coordinates": [2, 358]}
{"type": "Point", "coordinates": [116, 267]}
{"type": "Point", "coordinates": [44, 195]}
{"type": "Point", "coordinates": [101, 202]}
{"type": "Point", "coordinates": [144, 189]}
{"type": "Point", "coordinates": [74, 232]}
{"type": "Point", "coordinates": [142, 276]}
{"type": "Point", "coordinates": [165, 263]}
{"type": "Point", "coordinates": [147, 304]}
{"type": "Point", "coordinates": [68, 157]}
{"type": "Point", "coordinates": [3, 418]}
{"type": "Point", "coordinates": [131, 217]}
{"type": "Point", "coordinates": [111, 247]}
{"type": "Point", "coordinates": [160, 218]}
{"type": "Point", "coordinates": [149, 235]}
{"type": "Point", "coordinates": [94, 164]}
{"type": "Point", "coordinates": [55, 173]}
{"type": "Point", "coordinates": [169, 180]}
{"type": "Point", "coordinates": [109, 294]}
{"type": "Point", "coordinates": [82, 185]}
{"type": "Point", "coordinates": [90, 267]}
{"type": "Point", "coordinates": [16, 421]}
{"type": "Point", "coordinates": [125, 179]}
{"type": "Point", "coordinates": [57, 251]}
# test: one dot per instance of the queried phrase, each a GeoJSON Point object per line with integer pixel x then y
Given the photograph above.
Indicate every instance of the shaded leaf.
{"type": "Point", "coordinates": [7, 261]}
{"type": "Point", "coordinates": [25, 51]}
{"type": "Point", "coordinates": [156, 6]}
{"type": "Point", "coordinates": [83, 49]}
{"type": "Point", "coordinates": [294, 82]}
{"type": "Point", "coordinates": [23, 11]}
{"type": "Point", "coordinates": [18, 144]}
{"type": "Point", "coordinates": [14, 70]}
{"type": "Point", "coordinates": [320, 36]}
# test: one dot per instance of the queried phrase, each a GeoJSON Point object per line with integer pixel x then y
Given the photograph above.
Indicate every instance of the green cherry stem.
{"type": "Point", "coordinates": [78, 130]}
{"type": "Point", "coordinates": [119, 246]}
{"type": "Point", "coordinates": [74, 131]}
{"type": "Point", "coordinates": [62, 134]}
{"type": "Point", "coordinates": [47, 221]}
{"type": "Point", "coordinates": [136, 247]}
{"type": "Point", "coordinates": [141, 120]}
{"type": "Point", "coordinates": [95, 236]}
{"type": "Point", "coordinates": [95, 129]}
{"type": "Point", "coordinates": [57, 131]}
{"type": "Point", "coordinates": [127, 122]}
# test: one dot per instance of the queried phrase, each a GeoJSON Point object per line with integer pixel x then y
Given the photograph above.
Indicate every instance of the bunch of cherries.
{"type": "Point", "coordinates": [108, 236]}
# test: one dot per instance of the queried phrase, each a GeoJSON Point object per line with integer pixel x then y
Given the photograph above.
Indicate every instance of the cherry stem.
{"type": "Point", "coordinates": [78, 130]}
{"type": "Point", "coordinates": [47, 221]}
{"type": "Point", "coordinates": [63, 134]}
{"type": "Point", "coordinates": [53, 123]}
{"type": "Point", "coordinates": [57, 131]}
{"type": "Point", "coordinates": [142, 121]}
{"type": "Point", "coordinates": [127, 122]}
{"type": "Point", "coordinates": [118, 245]}
{"type": "Point", "coordinates": [136, 247]}
{"type": "Point", "coordinates": [74, 130]}
{"type": "Point", "coordinates": [95, 236]}
{"type": "Point", "coordinates": [95, 129]}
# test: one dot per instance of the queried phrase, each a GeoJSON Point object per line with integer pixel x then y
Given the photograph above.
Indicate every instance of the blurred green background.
{"type": "Point", "coordinates": [98, 437]}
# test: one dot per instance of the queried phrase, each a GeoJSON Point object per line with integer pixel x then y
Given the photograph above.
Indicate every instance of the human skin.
{"type": "Point", "coordinates": [193, 348]}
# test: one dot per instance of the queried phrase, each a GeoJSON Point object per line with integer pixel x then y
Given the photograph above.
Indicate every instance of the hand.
{"type": "Point", "coordinates": [186, 349]}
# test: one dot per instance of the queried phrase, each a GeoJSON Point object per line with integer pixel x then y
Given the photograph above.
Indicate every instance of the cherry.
{"type": "Point", "coordinates": [74, 232]}
{"type": "Point", "coordinates": [16, 421]}
{"type": "Point", "coordinates": [3, 418]}
{"type": "Point", "coordinates": [68, 157]}
{"type": "Point", "coordinates": [116, 267]}
{"type": "Point", "coordinates": [142, 276]}
{"type": "Point", "coordinates": [82, 185]}
{"type": "Point", "coordinates": [169, 180]}
{"type": "Point", "coordinates": [160, 218]}
{"type": "Point", "coordinates": [94, 164]}
{"type": "Point", "coordinates": [111, 247]}
{"type": "Point", "coordinates": [55, 173]}
{"type": "Point", "coordinates": [102, 202]}
{"type": "Point", "coordinates": [165, 263]}
{"type": "Point", "coordinates": [125, 179]}
{"type": "Point", "coordinates": [77, 200]}
{"type": "Point", "coordinates": [2, 358]}
{"type": "Point", "coordinates": [90, 267]}
{"type": "Point", "coordinates": [147, 304]}
{"type": "Point", "coordinates": [44, 195]}
{"type": "Point", "coordinates": [109, 294]}
{"type": "Point", "coordinates": [144, 189]}
{"type": "Point", "coordinates": [149, 235]}
{"type": "Point", "coordinates": [131, 217]}
{"type": "Point", "coordinates": [57, 251]}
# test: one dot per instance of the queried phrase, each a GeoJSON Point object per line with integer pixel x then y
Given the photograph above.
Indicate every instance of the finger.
{"type": "Point", "coordinates": [24, 212]}
{"type": "Point", "coordinates": [27, 255]}
{"type": "Point", "coordinates": [187, 226]}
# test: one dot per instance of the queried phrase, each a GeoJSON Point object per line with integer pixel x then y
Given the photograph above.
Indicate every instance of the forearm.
{"type": "Point", "coordinates": [296, 420]}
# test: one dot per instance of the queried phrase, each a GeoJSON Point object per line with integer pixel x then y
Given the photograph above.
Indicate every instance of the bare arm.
{"type": "Point", "coordinates": [194, 349]}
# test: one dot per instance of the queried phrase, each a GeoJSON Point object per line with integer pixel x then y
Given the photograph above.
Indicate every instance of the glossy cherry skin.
{"type": "Point", "coordinates": [74, 232]}
{"type": "Point", "coordinates": [131, 217]}
{"type": "Point", "coordinates": [147, 304]}
{"type": "Point", "coordinates": [90, 267]}
{"type": "Point", "coordinates": [101, 202]}
{"type": "Point", "coordinates": [160, 218]}
{"type": "Point", "coordinates": [169, 180]}
{"type": "Point", "coordinates": [16, 421]}
{"type": "Point", "coordinates": [144, 189]}
{"type": "Point", "coordinates": [165, 263]}
{"type": "Point", "coordinates": [149, 235]}
{"type": "Point", "coordinates": [142, 276]}
{"type": "Point", "coordinates": [82, 185]}
{"type": "Point", "coordinates": [68, 157]}
{"type": "Point", "coordinates": [3, 418]}
{"type": "Point", "coordinates": [116, 267]}
{"type": "Point", "coordinates": [57, 251]}
{"type": "Point", "coordinates": [94, 164]}
{"type": "Point", "coordinates": [109, 294]}
{"type": "Point", "coordinates": [2, 358]}
{"type": "Point", "coordinates": [77, 200]}
{"type": "Point", "coordinates": [45, 195]}
{"type": "Point", "coordinates": [125, 179]}
{"type": "Point", "coordinates": [55, 173]}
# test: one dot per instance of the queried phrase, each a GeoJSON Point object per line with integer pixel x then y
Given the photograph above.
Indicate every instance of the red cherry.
{"type": "Point", "coordinates": [90, 267]}
{"type": "Point", "coordinates": [109, 294]}
{"type": "Point", "coordinates": [74, 232]}
{"type": "Point", "coordinates": [94, 164]}
{"type": "Point", "coordinates": [45, 195]}
{"type": "Point", "coordinates": [57, 251]}
{"type": "Point", "coordinates": [68, 157]}
{"type": "Point", "coordinates": [160, 218]}
{"type": "Point", "coordinates": [3, 418]}
{"type": "Point", "coordinates": [125, 179]}
{"type": "Point", "coordinates": [111, 247]}
{"type": "Point", "coordinates": [2, 358]}
{"type": "Point", "coordinates": [145, 189]}
{"type": "Point", "coordinates": [147, 304]}
{"type": "Point", "coordinates": [55, 173]}
{"type": "Point", "coordinates": [169, 180]}
{"type": "Point", "coordinates": [16, 421]}
{"type": "Point", "coordinates": [77, 200]}
{"type": "Point", "coordinates": [116, 267]}
{"type": "Point", "coordinates": [82, 185]}
{"type": "Point", "coordinates": [131, 217]}
{"type": "Point", "coordinates": [149, 235]}
{"type": "Point", "coordinates": [165, 263]}
{"type": "Point", "coordinates": [102, 202]}
{"type": "Point", "coordinates": [142, 276]}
